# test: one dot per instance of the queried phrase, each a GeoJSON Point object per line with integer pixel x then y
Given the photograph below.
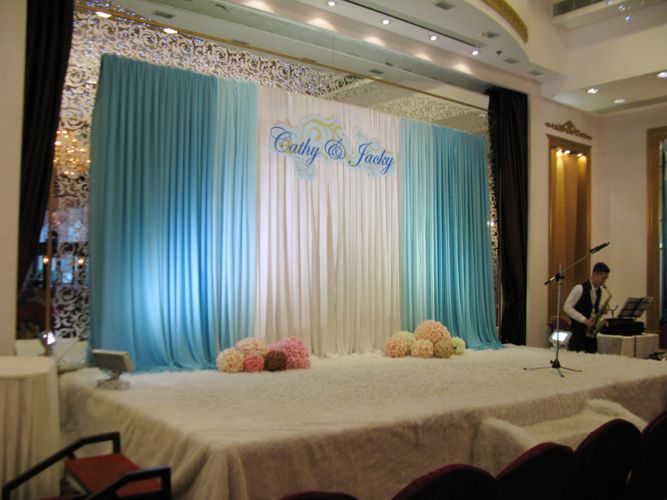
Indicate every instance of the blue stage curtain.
{"type": "Point", "coordinates": [447, 274]}
{"type": "Point", "coordinates": [172, 221]}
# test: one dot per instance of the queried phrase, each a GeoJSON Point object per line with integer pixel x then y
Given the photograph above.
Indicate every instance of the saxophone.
{"type": "Point", "coordinates": [599, 320]}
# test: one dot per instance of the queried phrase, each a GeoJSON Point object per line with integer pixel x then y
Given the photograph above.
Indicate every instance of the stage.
{"type": "Point", "coordinates": [362, 424]}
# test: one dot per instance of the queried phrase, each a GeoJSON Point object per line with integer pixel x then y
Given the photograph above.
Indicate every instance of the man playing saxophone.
{"type": "Point", "coordinates": [582, 304]}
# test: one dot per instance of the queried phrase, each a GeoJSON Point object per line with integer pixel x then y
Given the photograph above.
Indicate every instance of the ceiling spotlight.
{"type": "Point", "coordinates": [170, 31]}
{"type": "Point", "coordinates": [579, 155]}
{"type": "Point", "coordinates": [567, 152]}
{"type": "Point", "coordinates": [621, 7]}
{"type": "Point", "coordinates": [619, 101]}
{"type": "Point", "coordinates": [662, 74]}
{"type": "Point", "coordinates": [593, 90]}
{"type": "Point", "coordinates": [385, 21]}
{"type": "Point", "coordinates": [103, 15]}
{"type": "Point", "coordinates": [331, 3]}
{"type": "Point", "coordinates": [475, 52]}
{"type": "Point", "coordinates": [433, 38]}
{"type": "Point", "coordinates": [627, 18]}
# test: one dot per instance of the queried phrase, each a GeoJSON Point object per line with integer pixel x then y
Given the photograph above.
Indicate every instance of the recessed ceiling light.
{"type": "Point", "coordinates": [170, 31]}
{"type": "Point", "coordinates": [619, 101]}
{"type": "Point", "coordinates": [662, 74]}
{"type": "Point", "coordinates": [627, 18]}
{"type": "Point", "coordinates": [621, 7]}
{"type": "Point", "coordinates": [385, 21]}
{"type": "Point", "coordinates": [434, 38]}
{"type": "Point", "coordinates": [475, 52]}
{"type": "Point", "coordinates": [103, 15]}
{"type": "Point", "coordinates": [331, 3]}
{"type": "Point", "coordinates": [593, 90]}
{"type": "Point", "coordinates": [567, 152]}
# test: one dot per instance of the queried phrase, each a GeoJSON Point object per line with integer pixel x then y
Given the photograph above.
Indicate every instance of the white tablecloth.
{"type": "Point", "coordinates": [29, 422]}
{"type": "Point", "coordinates": [637, 346]}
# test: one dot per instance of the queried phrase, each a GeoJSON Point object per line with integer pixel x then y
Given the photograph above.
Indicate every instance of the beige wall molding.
{"type": "Point", "coordinates": [509, 14]}
{"type": "Point", "coordinates": [569, 128]}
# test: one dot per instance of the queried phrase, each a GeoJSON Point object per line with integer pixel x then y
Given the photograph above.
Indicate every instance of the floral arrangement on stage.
{"type": "Point", "coordinates": [253, 355]}
{"type": "Point", "coordinates": [430, 339]}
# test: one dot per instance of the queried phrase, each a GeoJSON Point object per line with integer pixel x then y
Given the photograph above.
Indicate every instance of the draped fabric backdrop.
{"type": "Point", "coordinates": [172, 200]}
{"type": "Point", "coordinates": [447, 264]}
{"type": "Point", "coordinates": [203, 232]}
{"type": "Point", "coordinates": [328, 251]}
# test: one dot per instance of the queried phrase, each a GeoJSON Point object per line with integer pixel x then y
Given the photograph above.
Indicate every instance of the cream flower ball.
{"type": "Point", "coordinates": [443, 348]}
{"type": "Point", "coordinates": [422, 348]}
{"type": "Point", "coordinates": [459, 345]}
{"type": "Point", "coordinates": [230, 361]}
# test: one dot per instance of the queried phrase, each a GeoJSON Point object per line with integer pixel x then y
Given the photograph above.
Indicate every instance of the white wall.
{"type": "Point", "coordinates": [12, 49]}
{"type": "Point", "coordinates": [623, 151]}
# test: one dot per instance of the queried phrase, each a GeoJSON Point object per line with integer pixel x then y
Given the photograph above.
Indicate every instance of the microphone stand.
{"type": "Point", "coordinates": [558, 277]}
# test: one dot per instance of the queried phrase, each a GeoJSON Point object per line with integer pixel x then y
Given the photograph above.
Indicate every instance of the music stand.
{"type": "Point", "coordinates": [633, 308]}
{"type": "Point", "coordinates": [559, 277]}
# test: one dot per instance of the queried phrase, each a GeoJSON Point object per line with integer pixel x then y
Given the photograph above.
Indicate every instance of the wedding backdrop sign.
{"type": "Point", "coordinates": [318, 137]}
{"type": "Point", "coordinates": [220, 210]}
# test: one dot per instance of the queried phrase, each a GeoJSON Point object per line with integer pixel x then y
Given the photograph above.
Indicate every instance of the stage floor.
{"type": "Point", "coordinates": [362, 424]}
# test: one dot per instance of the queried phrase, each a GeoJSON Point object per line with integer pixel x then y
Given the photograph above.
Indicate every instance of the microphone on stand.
{"type": "Point", "coordinates": [598, 248]}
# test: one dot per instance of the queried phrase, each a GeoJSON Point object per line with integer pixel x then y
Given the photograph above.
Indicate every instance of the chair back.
{"type": "Point", "coordinates": [318, 495]}
{"type": "Point", "coordinates": [545, 471]}
{"type": "Point", "coordinates": [647, 479]}
{"type": "Point", "coordinates": [451, 482]}
{"type": "Point", "coordinates": [604, 460]}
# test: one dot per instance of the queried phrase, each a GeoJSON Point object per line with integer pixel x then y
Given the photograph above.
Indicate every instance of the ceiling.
{"type": "Point", "coordinates": [351, 36]}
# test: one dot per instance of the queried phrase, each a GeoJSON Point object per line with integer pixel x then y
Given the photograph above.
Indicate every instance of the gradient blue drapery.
{"type": "Point", "coordinates": [447, 271]}
{"type": "Point", "coordinates": [172, 214]}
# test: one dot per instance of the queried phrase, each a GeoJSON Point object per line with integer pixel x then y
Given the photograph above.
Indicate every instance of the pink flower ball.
{"type": "Point", "coordinates": [395, 347]}
{"type": "Point", "coordinates": [431, 330]}
{"type": "Point", "coordinates": [295, 350]}
{"type": "Point", "coordinates": [230, 361]}
{"type": "Point", "coordinates": [251, 344]}
{"type": "Point", "coordinates": [422, 348]}
{"type": "Point", "coordinates": [253, 362]}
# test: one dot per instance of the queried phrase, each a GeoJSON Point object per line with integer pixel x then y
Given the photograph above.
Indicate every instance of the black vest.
{"type": "Point", "coordinates": [585, 305]}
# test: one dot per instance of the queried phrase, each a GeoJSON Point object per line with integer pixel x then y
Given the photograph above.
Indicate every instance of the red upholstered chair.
{"type": "Point", "coordinates": [103, 476]}
{"type": "Point", "coordinates": [318, 495]}
{"type": "Point", "coordinates": [647, 479]}
{"type": "Point", "coordinates": [451, 482]}
{"type": "Point", "coordinates": [544, 472]}
{"type": "Point", "coordinates": [604, 460]}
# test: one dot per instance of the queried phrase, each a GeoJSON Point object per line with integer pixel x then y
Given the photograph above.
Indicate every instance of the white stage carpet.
{"type": "Point", "coordinates": [362, 424]}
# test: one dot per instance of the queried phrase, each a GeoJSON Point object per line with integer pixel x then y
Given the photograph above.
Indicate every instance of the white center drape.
{"type": "Point", "coordinates": [328, 263]}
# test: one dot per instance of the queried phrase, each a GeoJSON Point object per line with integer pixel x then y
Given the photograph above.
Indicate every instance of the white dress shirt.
{"type": "Point", "coordinates": [573, 298]}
